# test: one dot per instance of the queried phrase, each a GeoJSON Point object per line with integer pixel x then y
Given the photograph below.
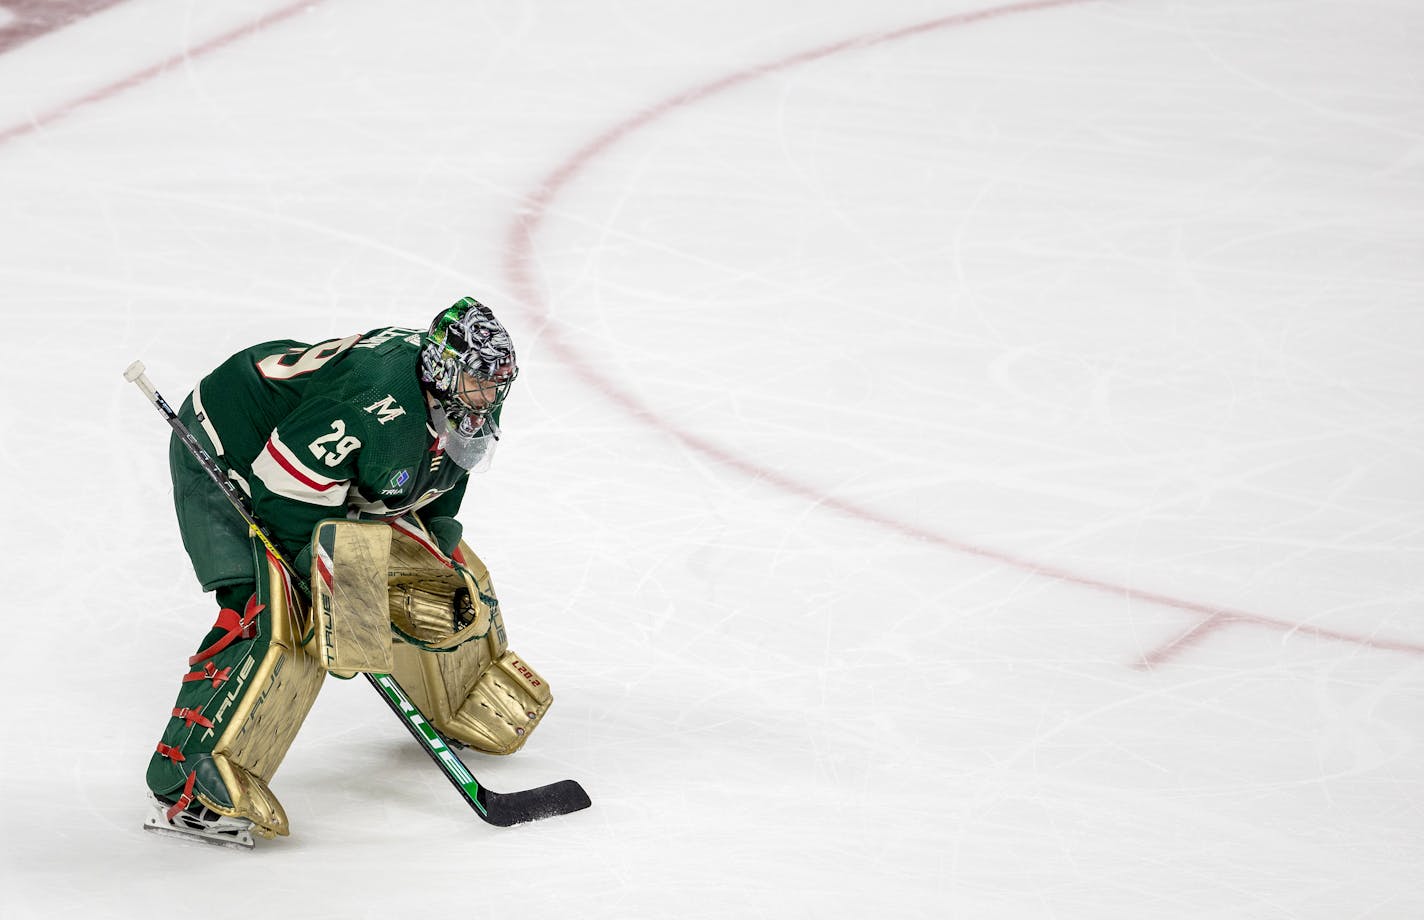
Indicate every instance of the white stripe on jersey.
{"type": "Point", "coordinates": [241, 483]}
{"type": "Point", "coordinates": [203, 420]}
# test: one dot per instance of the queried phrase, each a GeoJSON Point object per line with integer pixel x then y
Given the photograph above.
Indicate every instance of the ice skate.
{"type": "Point", "coordinates": [198, 823]}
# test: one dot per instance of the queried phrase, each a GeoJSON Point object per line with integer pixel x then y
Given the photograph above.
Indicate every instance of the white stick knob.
{"type": "Point", "coordinates": [135, 374]}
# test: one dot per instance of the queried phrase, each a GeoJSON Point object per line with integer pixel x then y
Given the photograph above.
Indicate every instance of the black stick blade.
{"type": "Point", "coordinates": [504, 809]}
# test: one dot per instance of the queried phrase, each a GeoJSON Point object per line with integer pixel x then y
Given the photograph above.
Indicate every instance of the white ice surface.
{"type": "Point", "coordinates": [964, 365]}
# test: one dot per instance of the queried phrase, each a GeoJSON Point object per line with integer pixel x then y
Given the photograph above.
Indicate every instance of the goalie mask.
{"type": "Point", "coordinates": [467, 364]}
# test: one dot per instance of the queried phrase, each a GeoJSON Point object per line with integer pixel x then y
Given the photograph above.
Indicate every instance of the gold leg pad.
{"type": "Point", "coordinates": [490, 705]}
{"type": "Point", "coordinates": [266, 718]}
{"type": "Point", "coordinates": [439, 682]}
{"type": "Point", "coordinates": [503, 709]}
{"type": "Point", "coordinates": [251, 799]}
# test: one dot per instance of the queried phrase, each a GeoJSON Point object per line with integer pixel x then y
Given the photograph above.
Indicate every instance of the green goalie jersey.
{"type": "Point", "coordinates": [337, 429]}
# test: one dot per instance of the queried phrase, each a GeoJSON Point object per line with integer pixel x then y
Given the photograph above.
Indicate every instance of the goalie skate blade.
{"type": "Point", "coordinates": [242, 841]}
{"type": "Point", "coordinates": [506, 809]}
{"type": "Point", "coordinates": [222, 832]}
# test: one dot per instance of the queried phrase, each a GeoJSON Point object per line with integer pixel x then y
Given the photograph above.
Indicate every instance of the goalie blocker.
{"type": "Point", "coordinates": [251, 685]}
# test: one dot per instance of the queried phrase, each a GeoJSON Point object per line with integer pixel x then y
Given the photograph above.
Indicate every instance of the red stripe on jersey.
{"type": "Point", "coordinates": [296, 471]}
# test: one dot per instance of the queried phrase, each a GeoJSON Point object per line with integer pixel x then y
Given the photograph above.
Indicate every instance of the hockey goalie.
{"type": "Point", "coordinates": [355, 454]}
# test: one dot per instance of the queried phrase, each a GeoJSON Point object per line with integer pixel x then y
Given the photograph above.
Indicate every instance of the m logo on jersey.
{"type": "Point", "coordinates": [386, 409]}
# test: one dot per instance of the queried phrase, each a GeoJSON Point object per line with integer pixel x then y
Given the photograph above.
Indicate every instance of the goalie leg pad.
{"type": "Point", "coordinates": [246, 693]}
{"type": "Point", "coordinates": [481, 694]}
{"type": "Point", "coordinates": [505, 706]}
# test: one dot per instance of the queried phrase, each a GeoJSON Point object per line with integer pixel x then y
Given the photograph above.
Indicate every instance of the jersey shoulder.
{"type": "Point", "coordinates": [376, 382]}
{"type": "Point", "coordinates": [379, 377]}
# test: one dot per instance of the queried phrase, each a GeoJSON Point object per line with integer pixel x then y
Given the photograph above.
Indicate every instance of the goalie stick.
{"type": "Point", "coordinates": [502, 809]}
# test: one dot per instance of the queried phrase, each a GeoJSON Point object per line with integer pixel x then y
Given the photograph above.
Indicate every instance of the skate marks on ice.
{"type": "Point", "coordinates": [522, 256]}
{"type": "Point", "coordinates": [36, 20]}
{"type": "Point", "coordinates": [938, 723]}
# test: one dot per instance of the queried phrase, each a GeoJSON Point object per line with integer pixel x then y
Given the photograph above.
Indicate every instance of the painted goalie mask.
{"type": "Point", "coordinates": [467, 363]}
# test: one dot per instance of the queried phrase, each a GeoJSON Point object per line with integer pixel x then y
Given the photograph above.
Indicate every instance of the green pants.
{"type": "Point", "coordinates": [214, 534]}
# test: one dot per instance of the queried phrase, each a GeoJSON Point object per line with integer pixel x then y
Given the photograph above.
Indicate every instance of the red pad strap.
{"type": "Point", "coordinates": [209, 673]}
{"type": "Point", "coordinates": [184, 800]}
{"type": "Point", "coordinates": [172, 753]}
{"type": "Point", "coordinates": [193, 717]}
{"type": "Point", "coordinates": [238, 626]}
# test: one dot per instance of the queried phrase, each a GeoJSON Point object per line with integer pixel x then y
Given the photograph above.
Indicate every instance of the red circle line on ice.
{"type": "Point", "coordinates": [519, 255]}
{"type": "Point", "coordinates": [519, 259]}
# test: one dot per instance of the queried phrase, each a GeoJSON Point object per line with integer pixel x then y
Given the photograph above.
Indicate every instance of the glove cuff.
{"type": "Point", "coordinates": [447, 532]}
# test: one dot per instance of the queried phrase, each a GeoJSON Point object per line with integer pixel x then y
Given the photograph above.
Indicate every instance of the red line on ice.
{"type": "Point", "coordinates": [519, 258]}
{"type": "Point", "coordinates": [49, 116]}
